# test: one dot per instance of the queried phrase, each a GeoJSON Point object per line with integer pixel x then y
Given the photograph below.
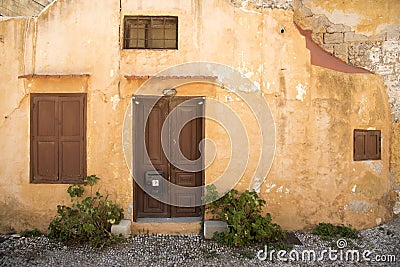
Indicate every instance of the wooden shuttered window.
{"type": "Point", "coordinates": [367, 145]}
{"type": "Point", "coordinates": [58, 138]}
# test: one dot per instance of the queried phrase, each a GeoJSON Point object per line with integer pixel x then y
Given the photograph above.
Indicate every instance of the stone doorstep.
{"type": "Point", "coordinates": [210, 227]}
{"type": "Point", "coordinates": [123, 228]}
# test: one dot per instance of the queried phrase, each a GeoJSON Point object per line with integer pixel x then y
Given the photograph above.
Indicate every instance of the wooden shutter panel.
{"type": "Point", "coordinates": [367, 144]}
{"type": "Point", "coordinates": [58, 138]}
{"type": "Point", "coordinates": [72, 144]}
{"type": "Point", "coordinates": [44, 134]}
{"type": "Point", "coordinates": [373, 148]}
{"type": "Point", "coordinates": [360, 137]}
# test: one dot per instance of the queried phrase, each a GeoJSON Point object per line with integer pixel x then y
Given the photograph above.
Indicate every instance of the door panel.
{"type": "Point", "coordinates": [150, 131]}
{"type": "Point", "coordinates": [153, 134]}
{"type": "Point", "coordinates": [176, 171]}
{"type": "Point", "coordinates": [185, 152]}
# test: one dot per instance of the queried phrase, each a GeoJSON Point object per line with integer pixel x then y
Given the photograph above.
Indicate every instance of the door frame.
{"type": "Point", "coordinates": [136, 187]}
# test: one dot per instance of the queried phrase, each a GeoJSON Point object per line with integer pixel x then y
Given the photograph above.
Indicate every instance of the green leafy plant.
{"type": "Point", "coordinates": [243, 214]}
{"type": "Point", "coordinates": [329, 231]}
{"type": "Point", "coordinates": [89, 219]}
{"type": "Point", "coordinates": [31, 233]}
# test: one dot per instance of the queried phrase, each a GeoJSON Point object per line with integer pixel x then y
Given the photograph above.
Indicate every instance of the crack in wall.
{"type": "Point", "coordinates": [9, 114]}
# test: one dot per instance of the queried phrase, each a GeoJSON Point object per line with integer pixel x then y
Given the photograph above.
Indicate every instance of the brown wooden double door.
{"type": "Point", "coordinates": [150, 116]}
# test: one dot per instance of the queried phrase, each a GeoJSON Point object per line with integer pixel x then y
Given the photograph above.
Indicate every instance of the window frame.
{"type": "Point", "coordinates": [148, 32]}
{"type": "Point", "coordinates": [58, 119]}
{"type": "Point", "coordinates": [362, 148]}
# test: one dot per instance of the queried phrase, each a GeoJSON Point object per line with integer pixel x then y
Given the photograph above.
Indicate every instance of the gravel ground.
{"type": "Point", "coordinates": [381, 242]}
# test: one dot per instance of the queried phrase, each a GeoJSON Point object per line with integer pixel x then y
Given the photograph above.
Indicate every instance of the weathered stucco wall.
{"type": "Point", "coordinates": [364, 34]}
{"type": "Point", "coordinates": [314, 171]}
{"type": "Point", "coordinates": [313, 177]}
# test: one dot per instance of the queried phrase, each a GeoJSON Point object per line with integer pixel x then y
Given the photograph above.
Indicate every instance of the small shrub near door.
{"type": "Point", "coordinates": [89, 219]}
{"type": "Point", "coordinates": [242, 213]}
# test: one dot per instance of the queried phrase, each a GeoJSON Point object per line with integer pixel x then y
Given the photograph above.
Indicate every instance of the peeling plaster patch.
{"type": "Point", "coordinates": [301, 91]}
{"type": "Point", "coordinates": [115, 100]}
{"type": "Point", "coordinates": [257, 84]}
{"type": "Point", "coordinates": [268, 85]}
{"type": "Point", "coordinates": [363, 101]}
{"type": "Point", "coordinates": [359, 206]}
{"type": "Point", "coordinates": [29, 85]}
{"type": "Point", "coordinates": [249, 74]}
{"type": "Point", "coordinates": [269, 187]}
{"type": "Point", "coordinates": [279, 190]}
{"type": "Point", "coordinates": [378, 221]}
{"type": "Point", "coordinates": [351, 19]}
{"type": "Point", "coordinates": [257, 184]}
{"type": "Point", "coordinates": [287, 190]}
{"type": "Point", "coordinates": [354, 188]}
{"type": "Point", "coordinates": [244, 8]}
{"type": "Point", "coordinates": [375, 167]}
{"type": "Point", "coordinates": [111, 73]}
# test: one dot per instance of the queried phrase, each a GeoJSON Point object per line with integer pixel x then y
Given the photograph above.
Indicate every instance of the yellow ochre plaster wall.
{"type": "Point", "coordinates": [313, 177]}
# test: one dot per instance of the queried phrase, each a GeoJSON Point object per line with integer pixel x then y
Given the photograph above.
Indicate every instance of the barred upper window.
{"type": "Point", "coordinates": [150, 32]}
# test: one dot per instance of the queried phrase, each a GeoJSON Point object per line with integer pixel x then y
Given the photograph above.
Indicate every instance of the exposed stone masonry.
{"type": "Point", "coordinates": [378, 53]}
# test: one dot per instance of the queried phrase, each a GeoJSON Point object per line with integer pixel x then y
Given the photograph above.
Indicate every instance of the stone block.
{"type": "Point", "coordinates": [377, 38]}
{"type": "Point", "coordinates": [341, 49]}
{"type": "Point", "coordinates": [342, 57]}
{"type": "Point", "coordinates": [318, 37]}
{"type": "Point", "coordinates": [319, 23]}
{"type": "Point", "coordinates": [210, 227]}
{"type": "Point", "coordinates": [391, 51]}
{"type": "Point", "coordinates": [328, 48]}
{"type": "Point", "coordinates": [384, 69]}
{"type": "Point", "coordinates": [123, 228]}
{"type": "Point", "coordinates": [354, 37]}
{"type": "Point", "coordinates": [333, 38]}
{"type": "Point", "coordinates": [338, 28]}
{"type": "Point", "coordinates": [393, 35]}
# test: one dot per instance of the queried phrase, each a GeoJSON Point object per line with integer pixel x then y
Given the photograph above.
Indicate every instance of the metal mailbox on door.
{"type": "Point", "coordinates": [154, 182]}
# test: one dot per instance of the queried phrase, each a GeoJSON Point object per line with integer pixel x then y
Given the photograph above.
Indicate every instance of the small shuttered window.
{"type": "Point", "coordinates": [58, 138]}
{"type": "Point", "coordinates": [367, 145]}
